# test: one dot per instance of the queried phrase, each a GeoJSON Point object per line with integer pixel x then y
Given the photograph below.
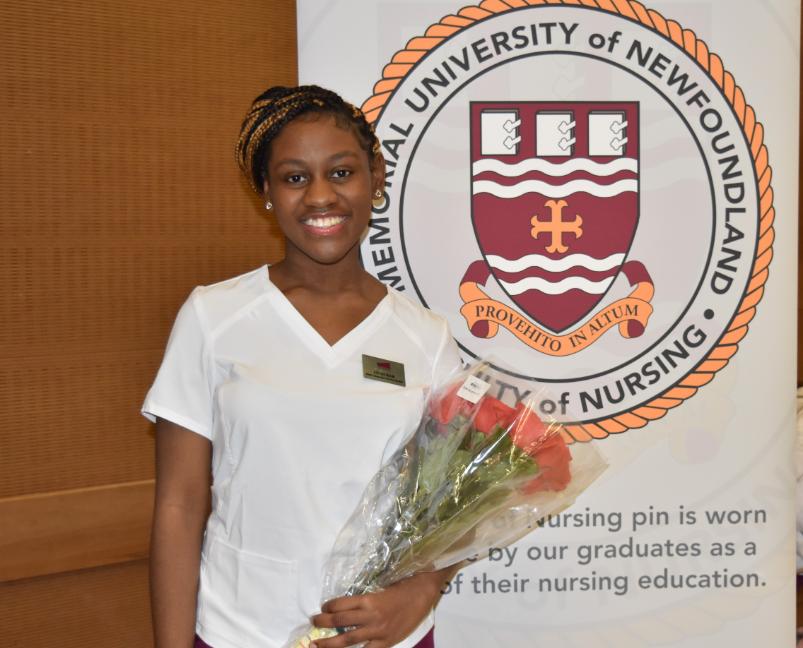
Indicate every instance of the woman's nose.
{"type": "Point", "coordinates": [320, 192]}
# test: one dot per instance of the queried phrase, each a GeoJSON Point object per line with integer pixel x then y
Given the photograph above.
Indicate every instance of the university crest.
{"type": "Point", "coordinates": [584, 193]}
{"type": "Point", "coordinates": [554, 202]}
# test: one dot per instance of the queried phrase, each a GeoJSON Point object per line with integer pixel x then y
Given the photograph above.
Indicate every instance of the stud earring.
{"type": "Point", "coordinates": [269, 205]}
{"type": "Point", "coordinates": [379, 203]}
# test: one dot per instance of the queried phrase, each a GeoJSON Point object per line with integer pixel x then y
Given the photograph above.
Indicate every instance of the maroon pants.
{"type": "Point", "coordinates": [427, 642]}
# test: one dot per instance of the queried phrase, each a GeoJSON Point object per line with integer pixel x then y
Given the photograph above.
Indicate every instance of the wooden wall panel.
{"type": "Point", "coordinates": [120, 193]}
{"type": "Point", "coordinates": [72, 530]}
{"type": "Point", "coordinates": [96, 608]}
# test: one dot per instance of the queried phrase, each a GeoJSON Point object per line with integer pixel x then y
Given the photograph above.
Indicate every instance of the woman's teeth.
{"type": "Point", "coordinates": [326, 221]}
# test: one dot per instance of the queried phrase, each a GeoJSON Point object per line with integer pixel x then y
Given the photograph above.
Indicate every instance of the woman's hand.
{"type": "Point", "coordinates": [385, 618]}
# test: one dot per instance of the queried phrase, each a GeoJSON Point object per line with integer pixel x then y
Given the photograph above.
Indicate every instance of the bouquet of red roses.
{"type": "Point", "coordinates": [477, 473]}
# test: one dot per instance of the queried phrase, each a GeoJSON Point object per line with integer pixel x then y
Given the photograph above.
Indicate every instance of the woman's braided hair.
{"type": "Point", "coordinates": [278, 106]}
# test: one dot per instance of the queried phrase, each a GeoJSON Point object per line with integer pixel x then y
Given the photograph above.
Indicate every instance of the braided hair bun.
{"type": "Point", "coordinates": [278, 106]}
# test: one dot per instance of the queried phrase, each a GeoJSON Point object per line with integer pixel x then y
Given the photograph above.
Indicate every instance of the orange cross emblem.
{"type": "Point", "coordinates": [556, 226]}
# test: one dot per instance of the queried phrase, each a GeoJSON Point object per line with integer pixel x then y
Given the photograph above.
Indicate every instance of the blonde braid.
{"type": "Point", "coordinates": [278, 106]}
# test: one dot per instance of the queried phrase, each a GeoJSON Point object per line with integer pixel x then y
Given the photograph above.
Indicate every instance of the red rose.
{"type": "Point", "coordinates": [446, 407]}
{"type": "Point", "coordinates": [553, 459]}
{"type": "Point", "coordinates": [492, 413]}
{"type": "Point", "coordinates": [528, 431]}
{"type": "Point", "coordinates": [548, 450]}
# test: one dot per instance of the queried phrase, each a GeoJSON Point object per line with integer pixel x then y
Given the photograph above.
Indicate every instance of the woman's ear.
{"type": "Point", "coordinates": [378, 173]}
{"type": "Point", "coordinates": [266, 194]}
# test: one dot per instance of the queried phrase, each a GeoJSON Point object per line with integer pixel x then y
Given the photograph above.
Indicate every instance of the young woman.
{"type": "Point", "coordinates": [263, 403]}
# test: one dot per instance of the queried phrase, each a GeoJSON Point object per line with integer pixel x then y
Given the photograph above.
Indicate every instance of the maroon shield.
{"type": "Point", "coordinates": [555, 200]}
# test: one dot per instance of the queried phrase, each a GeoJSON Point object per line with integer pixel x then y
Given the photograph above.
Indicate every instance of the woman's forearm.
{"type": "Point", "coordinates": [183, 460]}
{"type": "Point", "coordinates": [440, 579]}
{"type": "Point", "coordinates": [174, 567]}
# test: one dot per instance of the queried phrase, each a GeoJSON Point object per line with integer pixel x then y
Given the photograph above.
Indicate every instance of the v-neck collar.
{"type": "Point", "coordinates": [330, 354]}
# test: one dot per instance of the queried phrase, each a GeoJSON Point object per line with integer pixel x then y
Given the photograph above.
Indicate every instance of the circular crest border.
{"type": "Point", "coordinates": [405, 60]}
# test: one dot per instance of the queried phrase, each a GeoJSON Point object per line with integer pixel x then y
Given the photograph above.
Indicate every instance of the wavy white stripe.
{"type": "Point", "coordinates": [556, 169]}
{"type": "Point", "coordinates": [557, 287]}
{"type": "Point", "coordinates": [555, 265]}
{"type": "Point", "coordinates": [553, 191]}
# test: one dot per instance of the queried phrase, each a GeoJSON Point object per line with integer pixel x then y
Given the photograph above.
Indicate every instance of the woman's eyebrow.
{"type": "Point", "coordinates": [332, 158]}
{"type": "Point", "coordinates": [343, 154]}
{"type": "Point", "coordinates": [290, 161]}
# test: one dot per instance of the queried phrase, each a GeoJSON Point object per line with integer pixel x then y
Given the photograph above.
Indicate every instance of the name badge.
{"type": "Point", "coordinates": [384, 370]}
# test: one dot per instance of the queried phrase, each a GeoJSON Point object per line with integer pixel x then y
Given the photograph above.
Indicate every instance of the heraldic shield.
{"type": "Point", "coordinates": [555, 204]}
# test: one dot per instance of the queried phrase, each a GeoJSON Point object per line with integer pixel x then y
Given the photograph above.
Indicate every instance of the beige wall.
{"type": "Point", "coordinates": [119, 194]}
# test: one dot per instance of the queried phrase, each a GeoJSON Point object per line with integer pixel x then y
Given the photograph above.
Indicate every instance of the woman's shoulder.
{"type": "Point", "coordinates": [421, 319]}
{"type": "Point", "coordinates": [218, 301]}
{"type": "Point", "coordinates": [432, 334]}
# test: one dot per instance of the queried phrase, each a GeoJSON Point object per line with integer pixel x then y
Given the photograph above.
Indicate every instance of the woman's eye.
{"type": "Point", "coordinates": [341, 173]}
{"type": "Point", "coordinates": [295, 178]}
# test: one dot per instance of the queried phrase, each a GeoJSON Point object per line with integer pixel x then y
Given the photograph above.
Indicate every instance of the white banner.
{"type": "Point", "coordinates": [603, 195]}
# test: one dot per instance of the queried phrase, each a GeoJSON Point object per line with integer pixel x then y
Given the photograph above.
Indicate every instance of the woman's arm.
{"type": "Point", "coordinates": [183, 469]}
{"type": "Point", "coordinates": [385, 618]}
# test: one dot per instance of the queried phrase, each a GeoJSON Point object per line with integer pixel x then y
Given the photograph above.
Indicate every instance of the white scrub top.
{"type": "Point", "coordinates": [297, 432]}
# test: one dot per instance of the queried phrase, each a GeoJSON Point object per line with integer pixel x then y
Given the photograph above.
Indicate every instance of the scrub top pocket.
{"type": "Point", "coordinates": [247, 595]}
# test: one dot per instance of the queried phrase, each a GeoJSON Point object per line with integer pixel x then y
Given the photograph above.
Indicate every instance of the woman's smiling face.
{"type": "Point", "coordinates": [321, 183]}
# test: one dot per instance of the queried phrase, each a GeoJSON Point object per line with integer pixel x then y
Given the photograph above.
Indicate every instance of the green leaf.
{"type": "Point", "coordinates": [436, 461]}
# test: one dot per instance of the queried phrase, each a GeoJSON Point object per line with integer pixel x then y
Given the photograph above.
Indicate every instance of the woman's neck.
{"type": "Point", "coordinates": [298, 271]}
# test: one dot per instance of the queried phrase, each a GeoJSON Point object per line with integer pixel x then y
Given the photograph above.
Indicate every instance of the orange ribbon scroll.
{"type": "Point", "coordinates": [484, 315]}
